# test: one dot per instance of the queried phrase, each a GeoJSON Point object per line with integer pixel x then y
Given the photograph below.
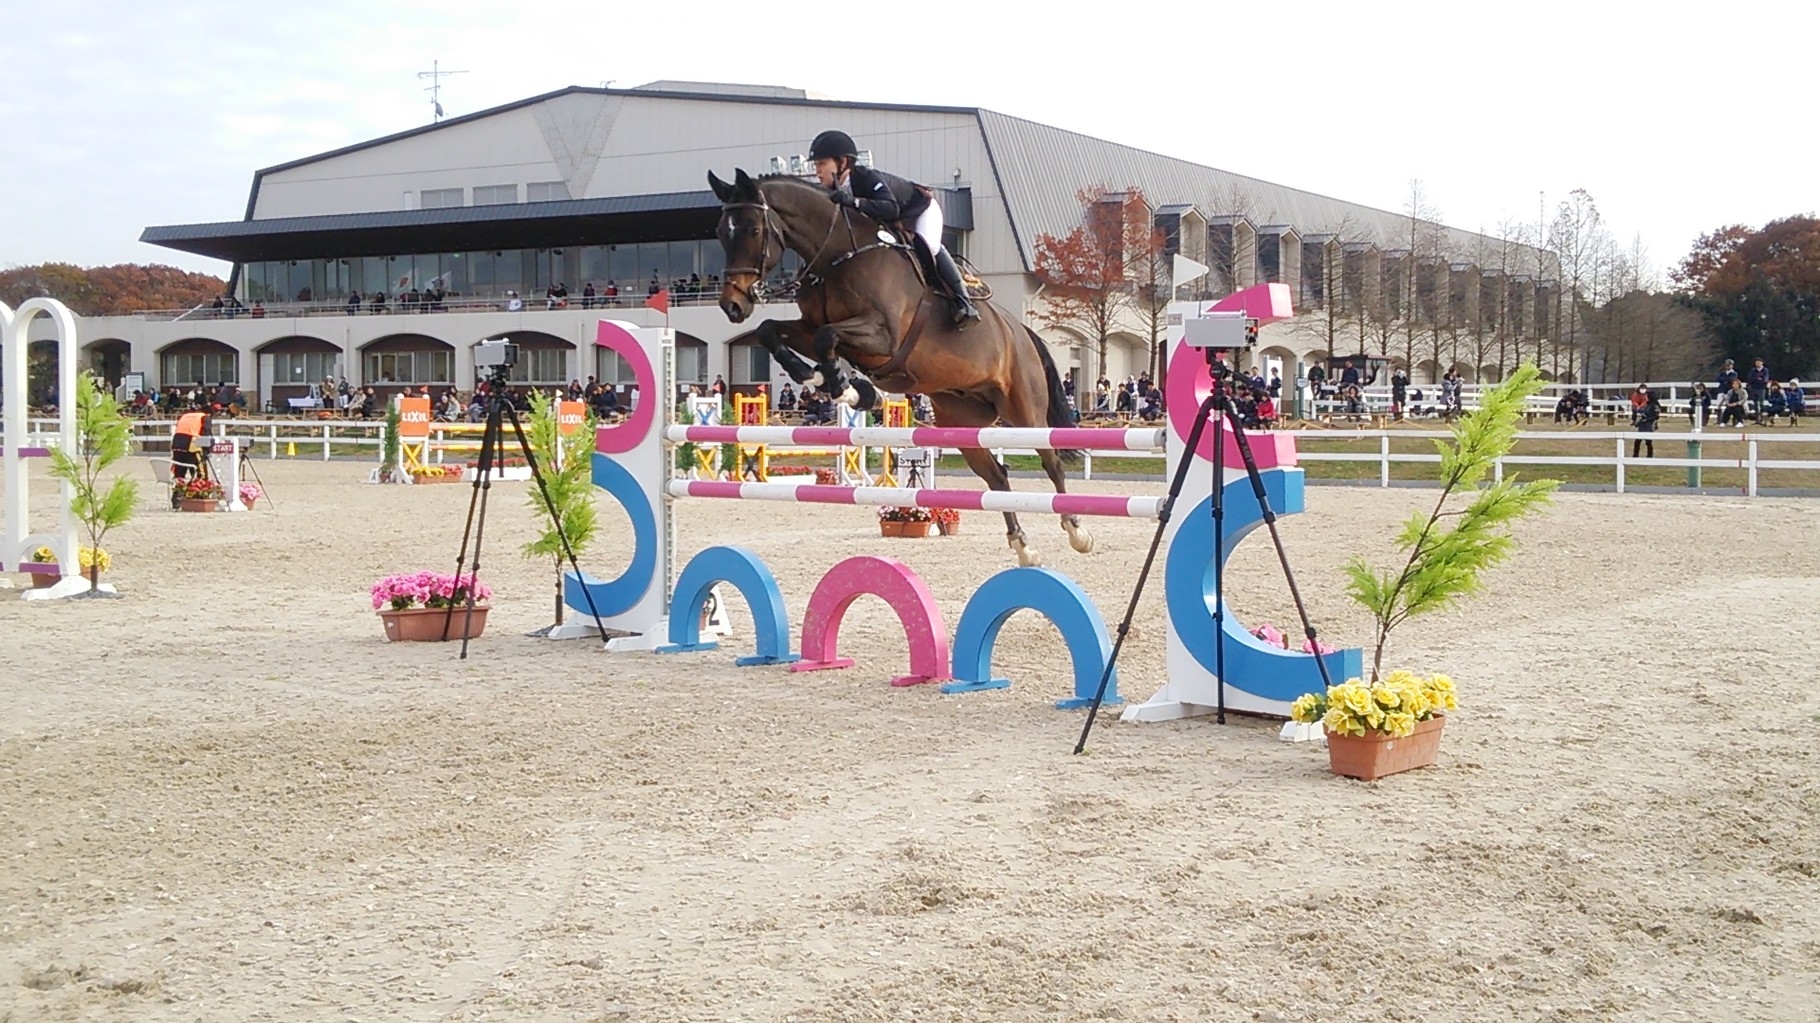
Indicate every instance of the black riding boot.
{"type": "Point", "coordinates": [951, 278]}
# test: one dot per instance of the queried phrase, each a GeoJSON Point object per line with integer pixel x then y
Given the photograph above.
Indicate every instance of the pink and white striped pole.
{"type": "Point", "coordinates": [1105, 505]}
{"type": "Point", "coordinates": [992, 437]}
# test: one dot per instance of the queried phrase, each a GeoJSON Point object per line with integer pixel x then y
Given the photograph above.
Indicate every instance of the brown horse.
{"type": "Point", "coordinates": [863, 301]}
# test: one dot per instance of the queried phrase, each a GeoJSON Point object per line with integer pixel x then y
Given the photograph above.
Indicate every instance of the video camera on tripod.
{"type": "Point", "coordinates": [495, 356]}
{"type": "Point", "coordinates": [1218, 332]}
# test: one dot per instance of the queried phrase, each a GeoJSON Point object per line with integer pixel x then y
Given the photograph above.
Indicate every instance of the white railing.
{"type": "Point", "coordinates": [279, 436]}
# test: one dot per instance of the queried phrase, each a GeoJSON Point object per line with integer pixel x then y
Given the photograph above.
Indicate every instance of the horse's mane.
{"type": "Point", "coordinates": [790, 179]}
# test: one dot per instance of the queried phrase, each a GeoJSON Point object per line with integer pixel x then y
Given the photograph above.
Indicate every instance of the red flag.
{"type": "Point", "coordinates": [659, 302]}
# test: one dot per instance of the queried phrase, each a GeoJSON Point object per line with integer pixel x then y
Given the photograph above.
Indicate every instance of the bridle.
{"type": "Point", "coordinates": [773, 231]}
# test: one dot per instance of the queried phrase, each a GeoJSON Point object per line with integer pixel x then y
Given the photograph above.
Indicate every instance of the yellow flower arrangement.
{"type": "Point", "coordinates": [94, 557]}
{"type": "Point", "coordinates": [1394, 705]}
{"type": "Point", "coordinates": [44, 556]}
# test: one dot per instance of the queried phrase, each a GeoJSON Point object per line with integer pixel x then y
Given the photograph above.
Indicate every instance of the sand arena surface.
{"type": "Point", "coordinates": [226, 798]}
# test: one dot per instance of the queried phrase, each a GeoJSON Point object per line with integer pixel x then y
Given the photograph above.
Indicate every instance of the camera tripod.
{"type": "Point", "coordinates": [1217, 405]}
{"type": "Point", "coordinates": [492, 442]}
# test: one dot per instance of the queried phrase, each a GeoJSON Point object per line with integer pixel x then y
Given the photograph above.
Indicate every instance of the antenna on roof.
{"type": "Point", "coordinates": [436, 74]}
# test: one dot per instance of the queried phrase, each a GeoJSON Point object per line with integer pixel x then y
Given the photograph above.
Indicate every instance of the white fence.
{"type": "Point", "coordinates": [278, 436]}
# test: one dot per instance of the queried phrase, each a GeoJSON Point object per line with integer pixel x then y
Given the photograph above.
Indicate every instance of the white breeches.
{"type": "Point", "coordinates": [929, 227]}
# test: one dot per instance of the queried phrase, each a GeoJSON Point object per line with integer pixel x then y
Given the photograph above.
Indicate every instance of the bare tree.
{"type": "Point", "coordinates": [1573, 237]}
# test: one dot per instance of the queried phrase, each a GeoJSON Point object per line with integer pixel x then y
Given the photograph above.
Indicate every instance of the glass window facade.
{"type": "Point", "coordinates": [423, 367]}
{"type": "Point", "coordinates": [539, 366]}
{"type": "Point", "coordinates": [495, 195]}
{"type": "Point", "coordinates": [546, 191]}
{"type": "Point", "coordinates": [439, 198]}
{"type": "Point", "coordinates": [690, 269]}
{"type": "Point", "coordinates": [299, 368]}
{"type": "Point", "coordinates": [211, 368]}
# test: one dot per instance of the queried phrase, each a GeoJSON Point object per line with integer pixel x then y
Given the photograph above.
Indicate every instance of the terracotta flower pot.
{"type": "Point", "coordinates": [424, 625]}
{"type": "Point", "coordinates": [46, 580]}
{"type": "Point", "coordinates": [888, 528]}
{"type": "Point", "coordinates": [950, 528]}
{"type": "Point", "coordinates": [916, 529]}
{"type": "Point", "coordinates": [197, 504]}
{"type": "Point", "coordinates": [249, 502]}
{"type": "Point", "coordinates": [1372, 756]}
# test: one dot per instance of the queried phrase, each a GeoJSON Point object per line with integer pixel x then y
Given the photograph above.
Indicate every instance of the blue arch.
{"type": "Point", "coordinates": [624, 593]}
{"type": "Point", "coordinates": [1057, 598]}
{"type": "Point", "coordinates": [1252, 665]}
{"type": "Point", "coordinates": [746, 573]}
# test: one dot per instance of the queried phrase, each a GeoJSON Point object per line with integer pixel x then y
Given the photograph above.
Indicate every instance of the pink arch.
{"type": "Point", "coordinates": [617, 440]}
{"type": "Point", "coordinates": [901, 588]}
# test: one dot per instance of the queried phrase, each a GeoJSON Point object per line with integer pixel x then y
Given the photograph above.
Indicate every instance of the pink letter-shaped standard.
{"type": "Point", "coordinates": [899, 587]}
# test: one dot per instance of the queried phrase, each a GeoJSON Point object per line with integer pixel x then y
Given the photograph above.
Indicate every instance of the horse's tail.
{"type": "Point", "coordinates": [1061, 416]}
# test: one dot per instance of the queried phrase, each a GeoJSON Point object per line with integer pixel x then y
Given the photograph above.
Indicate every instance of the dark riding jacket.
{"type": "Point", "coordinates": [886, 197]}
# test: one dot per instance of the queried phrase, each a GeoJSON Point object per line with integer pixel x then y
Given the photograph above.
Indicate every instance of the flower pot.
{"type": "Point", "coordinates": [889, 528]}
{"type": "Point", "coordinates": [46, 580]}
{"type": "Point", "coordinates": [197, 504]}
{"type": "Point", "coordinates": [949, 528]}
{"type": "Point", "coordinates": [915, 529]}
{"type": "Point", "coordinates": [249, 502]}
{"type": "Point", "coordinates": [424, 624]}
{"type": "Point", "coordinates": [1372, 756]}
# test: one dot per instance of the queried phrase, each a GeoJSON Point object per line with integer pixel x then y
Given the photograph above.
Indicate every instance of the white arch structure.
{"type": "Point", "coordinates": [16, 538]}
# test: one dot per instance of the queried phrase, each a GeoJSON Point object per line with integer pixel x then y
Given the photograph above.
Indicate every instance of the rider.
{"type": "Point", "coordinates": [889, 198]}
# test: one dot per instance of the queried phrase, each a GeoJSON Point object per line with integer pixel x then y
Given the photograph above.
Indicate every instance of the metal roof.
{"type": "Point", "coordinates": [614, 219]}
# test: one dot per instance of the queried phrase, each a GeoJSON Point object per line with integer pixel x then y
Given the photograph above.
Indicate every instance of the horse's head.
{"type": "Point", "coordinates": [753, 240]}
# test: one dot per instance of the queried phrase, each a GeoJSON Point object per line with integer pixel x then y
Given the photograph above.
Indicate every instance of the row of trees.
{"type": "Point", "coordinates": [110, 290]}
{"type": "Point", "coordinates": [1759, 293]}
{"type": "Point", "coordinates": [1562, 292]}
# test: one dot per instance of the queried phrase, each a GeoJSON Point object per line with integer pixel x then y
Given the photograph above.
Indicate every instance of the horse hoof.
{"type": "Point", "coordinates": [1025, 556]}
{"type": "Point", "coordinates": [1080, 540]}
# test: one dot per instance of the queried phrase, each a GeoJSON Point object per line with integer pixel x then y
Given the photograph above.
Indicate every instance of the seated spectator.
{"type": "Point", "coordinates": [818, 410]}
{"type": "Point", "coordinates": [1797, 401]}
{"type": "Point", "coordinates": [377, 306]}
{"type": "Point", "coordinates": [1266, 409]}
{"type": "Point", "coordinates": [369, 404]}
{"type": "Point", "coordinates": [786, 399]}
{"type": "Point", "coordinates": [354, 304]}
{"type": "Point", "coordinates": [1734, 405]}
{"type": "Point", "coordinates": [1775, 402]}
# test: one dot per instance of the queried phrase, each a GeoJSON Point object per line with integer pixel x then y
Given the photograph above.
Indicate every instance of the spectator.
{"type": "Point", "coordinates": [259, 310]}
{"type": "Point", "coordinates": [1317, 380]}
{"type": "Point", "coordinates": [1775, 403]}
{"type": "Point", "coordinates": [377, 305]}
{"type": "Point", "coordinates": [1645, 419]}
{"type": "Point", "coordinates": [1797, 401]}
{"type": "Point", "coordinates": [719, 389]}
{"type": "Point", "coordinates": [1727, 376]}
{"type": "Point", "coordinates": [587, 295]}
{"type": "Point", "coordinates": [1349, 375]}
{"type": "Point", "coordinates": [818, 410]}
{"type": "Point", "coordinates": [1757, 382]}
{"type": "Point", "coordinates": [354, 304]}
{"type": "Point", "coordinates": [786, 399]}
{"type": "Point", "coordinates": [1276, 383]}
{"type": "Point", "coordinates": [1399, 392]}
{"type": "Point", "coordinates": [612, 290]}
{"type": "Point", "coordinates": [1731, 413]}
{"type": "Point", "coordinates": [1700, 405]}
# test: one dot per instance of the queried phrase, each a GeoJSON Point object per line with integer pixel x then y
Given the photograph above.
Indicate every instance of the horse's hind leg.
{"type": "Point", "coordinates": [952, 410]}
{"type": "Point", "coordinates": [1078, 535]}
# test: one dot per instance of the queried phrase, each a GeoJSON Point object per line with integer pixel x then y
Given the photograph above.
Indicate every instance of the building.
{"type": "Point", "coordinates": [607, 187]}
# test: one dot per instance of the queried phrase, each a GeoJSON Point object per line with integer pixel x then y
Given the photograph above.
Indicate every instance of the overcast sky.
{"type": "Point", "coordinates": [121, 115]}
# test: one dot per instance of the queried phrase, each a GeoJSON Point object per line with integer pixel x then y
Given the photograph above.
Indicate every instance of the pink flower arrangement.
{"type": "Point", "coordinates": [430, 589]}
{"type": "Point", "coordinates": [251, 492]}
{"type": "Point", "coordinates": [1275, 637]}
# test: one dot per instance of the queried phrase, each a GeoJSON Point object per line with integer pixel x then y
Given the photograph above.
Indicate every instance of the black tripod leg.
{"type": "Point", "coordinates": [1276, 539]}
{"type": "Point", "coordinates": [524, 446]}
{"type": "Point", "coordinates": [477, 523]}
{"type": "Point", "coordinates": [1156, 541]}
{"type": "Point", "coordinates": [1218, 502]}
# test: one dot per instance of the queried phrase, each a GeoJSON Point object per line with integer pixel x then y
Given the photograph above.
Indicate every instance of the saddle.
{"type": "Point", "coordinates": [924, 263]}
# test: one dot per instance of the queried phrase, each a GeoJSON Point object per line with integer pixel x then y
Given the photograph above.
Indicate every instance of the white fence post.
{"type": "Point", "coordinates": [1751, 489]}
{"type": "Point", "coordinates": [1620, 457]}
{"type": "Point", "coordinates": [1086, 465]}
{"type": "Point", "coordinates": [325, 442]}
{"type": "Point", "coordinates": [274, 429]}
{"type": "Point", "coordinates": [1384, 460]}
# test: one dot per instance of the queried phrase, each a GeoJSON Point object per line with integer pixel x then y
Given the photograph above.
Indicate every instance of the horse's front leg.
{"type": "Point", "coordinates": [857, 335]}
{"type": "Point", "coordinates": [783, 339]}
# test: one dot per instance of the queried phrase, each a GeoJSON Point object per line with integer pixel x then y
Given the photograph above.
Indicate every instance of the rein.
{"type": "Point", "coordinates": [773, 230]}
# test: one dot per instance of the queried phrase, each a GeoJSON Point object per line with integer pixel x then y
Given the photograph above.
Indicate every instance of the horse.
{"type": "Point", "coordinates": [863, 300]}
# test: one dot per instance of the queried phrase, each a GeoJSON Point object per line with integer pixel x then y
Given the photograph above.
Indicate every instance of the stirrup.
{"type": "Point", "coordinates": [963, 313]}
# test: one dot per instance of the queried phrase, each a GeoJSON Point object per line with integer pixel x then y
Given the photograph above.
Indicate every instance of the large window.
{"type": "Point", "coordinates": [301, 368]}
{"type": "Point", "coordinates": [210, 368]}
{"type": "Point", "coordinates": [540, 366]}
{"type": "Point", "coordinates": [751, 365]}
{"type": "Point", "coordinates": [433, 367]}
{"type": "Point", "coordinates": [495, 195]}
{"type": "Point", "coordinates": [546, 191]}
{"type": "Point", "coordinates": [691, 364]}
{"type": "Point", "coordinates": [439, 198]}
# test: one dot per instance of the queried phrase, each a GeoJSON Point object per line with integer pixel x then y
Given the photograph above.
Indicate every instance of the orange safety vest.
{"type": "Point", "coordinates": [192, 423]}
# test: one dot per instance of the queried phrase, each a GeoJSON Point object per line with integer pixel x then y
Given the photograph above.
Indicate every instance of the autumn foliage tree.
{"type": "Point", "coordinates": [1089, 274]}
{"type": "Point", "coordinates": [109, 290]}
{"type": "Point", "coordinates": [1759, 292]}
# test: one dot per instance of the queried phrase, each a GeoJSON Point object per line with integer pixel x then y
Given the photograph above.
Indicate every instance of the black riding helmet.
{"type": "Point", "coordinates": [832, 145]}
